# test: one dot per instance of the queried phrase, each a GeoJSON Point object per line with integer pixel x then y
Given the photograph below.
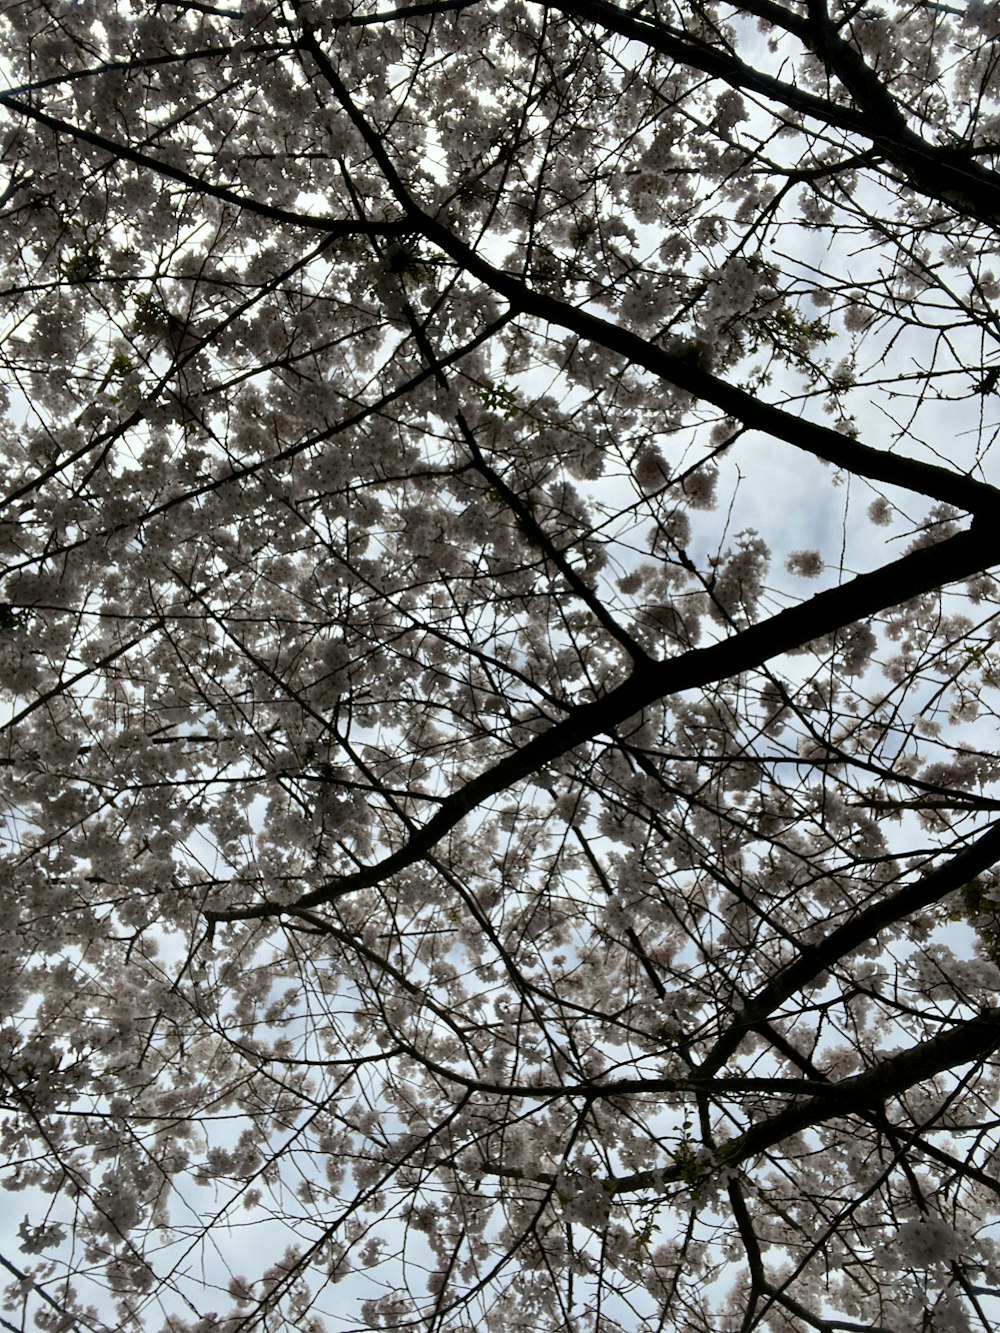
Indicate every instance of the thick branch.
{"type": "Point", "coordinates": [928, 479]}
{"type": "Point", "coordinates": [974, 1040]}
{"type": "Point", "coordinates": [921, 570]}
{"type": "Point", "coordinates": [939, 173]}
{"type": "Point", "coordinates": [860, 929]}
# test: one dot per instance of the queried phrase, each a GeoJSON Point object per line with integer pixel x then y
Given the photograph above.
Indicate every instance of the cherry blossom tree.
{"type": "Point", "coordinates": [500, 665]}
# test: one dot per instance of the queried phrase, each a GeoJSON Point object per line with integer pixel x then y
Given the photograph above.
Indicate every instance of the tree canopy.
{"type": "Point", "coordinates": [499, 665]}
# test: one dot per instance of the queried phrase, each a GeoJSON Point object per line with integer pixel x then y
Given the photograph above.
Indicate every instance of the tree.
{"type": "Point", "coordinates": [459, 874]}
